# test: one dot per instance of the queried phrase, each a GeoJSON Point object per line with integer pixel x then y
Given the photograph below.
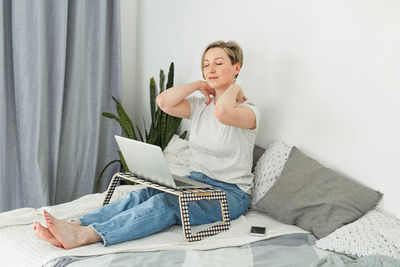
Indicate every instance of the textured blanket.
{"type": "Point", "coordinates": [20, 247]}
{"type": "Point", "coordinates": [283, 251]}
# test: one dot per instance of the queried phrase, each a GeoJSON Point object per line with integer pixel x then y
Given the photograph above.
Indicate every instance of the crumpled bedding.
{"type": "Point", "coordinates": [286, 250]}
{"type": "Point", "coordinates": [336, 260]}
{"type": "Point", "coordinates": [20, 247]}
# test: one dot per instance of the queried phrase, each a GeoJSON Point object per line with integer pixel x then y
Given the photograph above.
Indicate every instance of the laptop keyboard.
{"type": "Point", "coordinates": [180, 183]}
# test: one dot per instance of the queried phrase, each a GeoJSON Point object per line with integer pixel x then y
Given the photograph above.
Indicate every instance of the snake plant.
{"type": "Point", "coordinates": [162, 128]}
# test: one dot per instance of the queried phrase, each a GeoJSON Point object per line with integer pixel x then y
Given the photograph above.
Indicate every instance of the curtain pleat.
{"type": "Point", "coordinates": [60, 65]}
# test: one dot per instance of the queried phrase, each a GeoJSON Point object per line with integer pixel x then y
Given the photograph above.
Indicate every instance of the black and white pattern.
{"type": "Point", "coordinates": [114, 182]}
{"type": "Point", "coordinates": [185, 196]}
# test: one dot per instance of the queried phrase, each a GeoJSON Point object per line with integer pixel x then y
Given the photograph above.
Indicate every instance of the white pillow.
{"type": "Point", "coordinates": [392, 235]}
{"type": "Point", "coordinates": [269, 167]}
{"type": "Point", "coordinates": [177, 155]}
{"type": "Point", "coordinates": [371, 234]}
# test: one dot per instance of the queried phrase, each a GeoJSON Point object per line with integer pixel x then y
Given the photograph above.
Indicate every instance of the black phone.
{"type": "Point", "coordinates": [257, 231]}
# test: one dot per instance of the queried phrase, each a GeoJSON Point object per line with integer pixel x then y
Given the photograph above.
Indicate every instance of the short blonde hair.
{"type": "Point", "coordinates": [231, 48]}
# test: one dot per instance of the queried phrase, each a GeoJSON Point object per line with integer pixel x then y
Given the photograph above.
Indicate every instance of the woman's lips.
{"type": "Point", "coordinates": [212, 78]}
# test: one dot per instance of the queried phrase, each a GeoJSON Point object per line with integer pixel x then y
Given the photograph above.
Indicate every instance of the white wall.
{"type": "Point", "coordinates": [325, 74]}
{"type": "Point", "coordinates": [129, 19]}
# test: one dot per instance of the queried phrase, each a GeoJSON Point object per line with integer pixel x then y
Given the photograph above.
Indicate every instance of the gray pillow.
{"type": "Point", "coordinates": [316, 198]}
{"type": "Point", "coordinates": [257, 153]}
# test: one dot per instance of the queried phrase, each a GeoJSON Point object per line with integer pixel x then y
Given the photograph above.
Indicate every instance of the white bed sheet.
{"type": "Point", "coordinates": [20, 247]}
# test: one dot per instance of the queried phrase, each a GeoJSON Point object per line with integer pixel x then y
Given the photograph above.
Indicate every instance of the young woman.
{"type": "Point", "coordinates": [222, 135]}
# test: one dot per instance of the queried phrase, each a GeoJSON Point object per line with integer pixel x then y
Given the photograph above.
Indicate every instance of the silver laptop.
{"type": "Point", "coordinates": [147, 161]}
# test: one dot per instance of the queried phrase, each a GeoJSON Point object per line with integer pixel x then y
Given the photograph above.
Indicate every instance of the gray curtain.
{"type": "Point", "coordinates": [59, 67]}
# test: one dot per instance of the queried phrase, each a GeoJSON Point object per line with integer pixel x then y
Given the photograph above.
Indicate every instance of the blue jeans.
{"type": "Point", "coordinates": [147, 211]}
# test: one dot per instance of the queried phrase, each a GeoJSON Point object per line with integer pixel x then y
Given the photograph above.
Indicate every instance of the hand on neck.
{"type": "Point", "coordinates": [219, 92]}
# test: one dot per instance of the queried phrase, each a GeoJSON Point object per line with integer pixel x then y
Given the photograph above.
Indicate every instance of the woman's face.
{"type": "Point", "coordinates": [218, 69]}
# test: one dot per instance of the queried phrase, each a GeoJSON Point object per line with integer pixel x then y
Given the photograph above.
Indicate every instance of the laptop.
{"type": "Point", "coordinates": [147, 161]}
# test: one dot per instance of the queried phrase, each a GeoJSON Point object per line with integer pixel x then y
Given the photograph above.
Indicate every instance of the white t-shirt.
{"type": "Point", "coordinates": [222, 152]}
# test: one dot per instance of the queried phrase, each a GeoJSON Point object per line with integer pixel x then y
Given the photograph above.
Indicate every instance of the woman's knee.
{"type": "Point", "coordinates": [238, 206]}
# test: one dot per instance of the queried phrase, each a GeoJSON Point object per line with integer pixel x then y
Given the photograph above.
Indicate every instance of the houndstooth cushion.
{"type": "Point", "coordinates": [269, 167]}
{"type": "Point", "coordinates": [377, 232]}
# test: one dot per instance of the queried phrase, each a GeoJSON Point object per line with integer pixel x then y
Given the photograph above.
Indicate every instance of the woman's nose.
{"type": "Point", "coordinates": [209, 71]}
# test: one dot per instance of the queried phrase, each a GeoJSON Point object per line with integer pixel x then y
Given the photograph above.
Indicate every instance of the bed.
{"type": "Point", "coordinates": [284, 244]}
{"type": "Point", "coordinates": [285, 250]}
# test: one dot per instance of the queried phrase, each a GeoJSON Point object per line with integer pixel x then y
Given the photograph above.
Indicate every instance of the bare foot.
{"type": "Point", "coordinates": [70, 235]}
{"type": "Point", "coordinates": [44, 234]}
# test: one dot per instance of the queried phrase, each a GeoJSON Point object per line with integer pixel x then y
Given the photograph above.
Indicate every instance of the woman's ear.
{"type": "Point", "coordinates": [237, 67]}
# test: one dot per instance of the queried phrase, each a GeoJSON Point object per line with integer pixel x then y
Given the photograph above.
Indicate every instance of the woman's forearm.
{"type": "Point", "coordinates": [228, 99]}
{"type": "Point", "coordinates": [175, 95]}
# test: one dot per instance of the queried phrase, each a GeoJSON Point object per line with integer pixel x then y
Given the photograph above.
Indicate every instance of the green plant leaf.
{"type": "Point", "coordinates": [153, 129]}
{"type": "Point", "coordinates": [183, 135]}
{"type": "Point", "coordinates": [110, 115]}
{"type": "Point", "coordinates": [140, 133]}
{"type": "Point", "coordinates": [152, 98]}
{"type": "Point", "coordinates": [145, 130]}
{"type": "Point", "coordinates": [171, 130]}
{"type": "Point", "coordinates": [121, 157]}
{"type": "Point", "coordinates": [163, 128]}
{"type": "Point", "coordinates": [154, 137]}
{"type": "Point", "coordinates": [157, 120]}
{"type": "Point", "coordinates": [170, 82]}
{"type": "Point", "coordinates": [125, 121]}
{"type": "Point", "coordinates": [162, 81]}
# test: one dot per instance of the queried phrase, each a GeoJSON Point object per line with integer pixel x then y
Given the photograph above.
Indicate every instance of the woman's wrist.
{"type": "Point", "coordinates": [199, 84]}
{"type": "Point", "coordinates": [234, 88]}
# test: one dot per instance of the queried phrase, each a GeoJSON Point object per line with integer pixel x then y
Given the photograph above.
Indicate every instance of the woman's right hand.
{"type": "Point", "coordinates": [207, 91]}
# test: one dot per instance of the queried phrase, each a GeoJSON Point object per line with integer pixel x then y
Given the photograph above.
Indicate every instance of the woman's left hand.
{"type": "Point", "coordinates": [240, 97]}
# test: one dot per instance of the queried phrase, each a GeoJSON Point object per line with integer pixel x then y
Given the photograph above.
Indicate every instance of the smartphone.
{"type": "Point", "coordinates": [257, 231]}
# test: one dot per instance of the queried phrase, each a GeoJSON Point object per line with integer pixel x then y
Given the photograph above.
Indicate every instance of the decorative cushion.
{"type": "Point", "coordinates": [257, 153]}
{"type": "Point", "coordinates": [177, 155]}
{"type": "Point", "coordinates": [392, 235]}
{"type": "Point", "coordinates": [268, 169]}
{"type": "Point", "coordinates": [315, 197]}
{"type": "Point", "coordinates": [377, 232]}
